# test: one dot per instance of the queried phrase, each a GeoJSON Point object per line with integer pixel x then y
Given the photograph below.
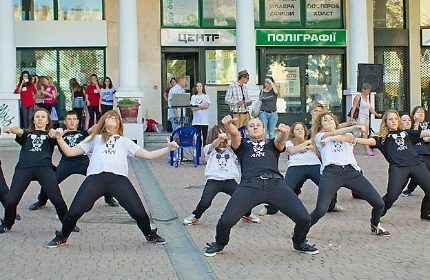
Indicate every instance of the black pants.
{"type": "Point", "coordinates": [254, 191]}
{"type": "Point", "coordinates": [48, 107]}
{"type": "Point", "coordinates": [106, 108]}
{"type": "Point", "coordinates": [20, 181]}
{"type": "Point", "coordinates": [203, 129]}
{"type": "Point", "coordinates": [27, 113]}
{"type": "Point", "coordinates": [412, 184]}
{"type": "Point", "coordinates": [91, 111]}
{"type": "Point", "coordinates": [212, 188]}
{"type": "Point", "coordinates": [296, 176]}
{"type": "Point", "coordinates": [79, 112]}
{"type": "Point", "coordinates": [4, 189]}
{"type": "Point", "coordinates": [397, 178]}
{"type": "Point", "coordinates": [105, 183]}
{"type": "Point", "coordinates": [336, 176]}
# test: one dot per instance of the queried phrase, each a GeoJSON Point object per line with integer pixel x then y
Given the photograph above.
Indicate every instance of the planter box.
{"type": "Point", "coordinates": [129, 113]}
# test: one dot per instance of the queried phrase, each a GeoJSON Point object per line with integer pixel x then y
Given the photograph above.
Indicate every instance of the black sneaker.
{"type": "Point", "coordinates": [17, 217]}
{"type": "Point", "coordinates": [305, 248]}
{"type": "Point", "coordinates": [213, 249]}
{"type": "Point", "coordinates": [407, 192]}
{"type": "Point", "coordinates": [153, 237]}
{"type": "Point", "coordinates": [111, 202]}
{"type": "Point", "coordinates": [76, 229]}
{"type": "Point", "coordinates": [425, 216]}
{"type": "Point", "coordinates": [36, 206]}
{"type": "Point", "coordinates": [58, 241]}
{"type": "Point", "coordinates": [3, 227]}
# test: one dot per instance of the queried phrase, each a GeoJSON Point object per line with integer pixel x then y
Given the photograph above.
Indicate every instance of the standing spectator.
{"type": "Point", "coordinates": [77, 99]}
{"type": "Point", "coordinates": [200, 106]}
{"type": "Point", "coordinates": [174, 115]}
{"type": "Point", "coordinates": [38, 98]}
{"type": "Point", "coordinates": [166, 92]}
{"type": "Point", "coordinates": [92, 99]}
{"type": "Point", "coordinates": [49, 93]}
{"type": "Point", "coordinates": [268, 113]}
{"type": "Point", "coordinates": [237, 98]}
{"type": "Point", "coordinates": [106, 97]}
{"type": "Point", "coordinates": [27, 91]}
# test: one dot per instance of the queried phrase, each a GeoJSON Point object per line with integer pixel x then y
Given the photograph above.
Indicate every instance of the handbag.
{"type": "Point", "coordinates": [255, 112]}
{"type": "Point", "coordinates": [357, 111]}
{"type": "Point", "coordinates": [78, 103]}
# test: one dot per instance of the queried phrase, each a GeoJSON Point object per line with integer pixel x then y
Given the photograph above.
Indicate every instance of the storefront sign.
{"type": "Point", "coordinates": [324, 13]}
{"type": "Point", "coordinates": [197, 37]}
{"type": "Point", "coordinates": [181, 13]}
{"type": "Point", "coordinates": [300, 37]}
{"type": "Point", "coordinates": [282, 12]}
{"type": "Point", "coordinates": [291, 82]}
{"type": "Point", "coordinates": [425, 37]}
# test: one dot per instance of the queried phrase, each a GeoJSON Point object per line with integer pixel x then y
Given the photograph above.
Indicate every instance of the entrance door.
{"type": "Point", "coordinates": [178, 64]}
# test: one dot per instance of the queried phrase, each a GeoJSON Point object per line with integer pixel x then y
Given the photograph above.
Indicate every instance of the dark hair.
{"type": "Point", "coordinates": [74, 85]}
{"type": "Point", "coordinates": [94, 75]}
{"type": "Point", "coordinates": [69, 113]}
{"type": "Point", "coordinates": [49, 125]}
{"type": "Point", "coordinates": [414, 110]}
{"type": "Point", "coordinates": [214, 133]}
{"type": "Point", "coordinates": [270, 78]}
{"type": "Point", "coordinates": [172, 79]}
{"type": "Point", "coordinates": [195, 88]}
{"type": "Point", "coordinates": [110, 82]}
{"type": "Point", "coordinates": [29, 77]}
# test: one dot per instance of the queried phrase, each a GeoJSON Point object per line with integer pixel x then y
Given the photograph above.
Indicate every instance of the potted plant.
{"type": "Point", "coordinates": [129, 109]}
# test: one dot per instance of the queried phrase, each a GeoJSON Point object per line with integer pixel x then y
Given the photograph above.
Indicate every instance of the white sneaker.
{"type": "Point", "coordinates": [251, 219]}
{"type": "Point", "coordinates": [191, 220]}
{"type": "Point", "coordinates": [263, 211]}
{"type": "Point", "coordinates": [339, 208]}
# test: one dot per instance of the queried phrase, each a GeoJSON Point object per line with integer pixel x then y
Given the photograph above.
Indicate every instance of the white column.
{"type": "Point", "coordinates": [245, 41]}
{"type": "Point", "coordinates": [128, 56]}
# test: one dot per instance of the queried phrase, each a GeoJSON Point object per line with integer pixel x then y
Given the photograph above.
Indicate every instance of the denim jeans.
{"type": "Point", "coordinates": [269, 120]}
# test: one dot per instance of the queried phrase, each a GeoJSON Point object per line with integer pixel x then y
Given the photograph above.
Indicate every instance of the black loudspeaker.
{"type": "Point", "coordinates": [372, 74]}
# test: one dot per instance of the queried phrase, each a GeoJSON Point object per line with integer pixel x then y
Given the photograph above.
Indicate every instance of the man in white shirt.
{"type": "Point", "coordinates": [174, 114]}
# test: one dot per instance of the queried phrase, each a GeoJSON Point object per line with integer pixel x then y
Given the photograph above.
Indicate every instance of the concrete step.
{"type": "Point", "coordinates": [155, 140]}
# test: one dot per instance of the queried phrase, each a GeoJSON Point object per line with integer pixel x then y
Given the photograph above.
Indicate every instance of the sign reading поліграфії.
{"type": "Point", "coordinates": [301, 37]}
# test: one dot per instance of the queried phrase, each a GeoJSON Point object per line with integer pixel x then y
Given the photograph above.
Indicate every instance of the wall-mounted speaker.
{"type": "Point", "coordinates": [372, 74]}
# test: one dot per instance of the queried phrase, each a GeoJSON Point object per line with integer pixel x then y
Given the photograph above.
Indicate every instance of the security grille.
{"type": "Point", "coordinates": [223, 108]}
{"type": "Point", "coordinates": [395, 93]}
{"type": "Point", "coordinates": [425, 78]}
{"type": "Point", "coordinates": [62, 65]}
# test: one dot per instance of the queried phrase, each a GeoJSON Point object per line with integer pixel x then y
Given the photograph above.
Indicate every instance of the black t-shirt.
{"type": "Point", "coordinates": [79, 93]}
{"type": "Point", "coordinates": [73, 138]}
{"type": "Point", "coordinates": [398, 148]}
{"type": "Point", "coordinates": [37, 149]}
{"type": "Point", "coordinates": [258, 157]}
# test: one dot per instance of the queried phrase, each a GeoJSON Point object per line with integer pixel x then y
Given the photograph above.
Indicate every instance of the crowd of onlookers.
{"type": "Point", "coordinates": [89, 101]}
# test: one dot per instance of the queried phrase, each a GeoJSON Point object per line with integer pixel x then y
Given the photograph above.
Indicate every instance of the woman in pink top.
{"type": "Point", "coordinates": [49, 93]}
{"type": "Point", "coordinates": [362, 102]}
{"type": "Point", "coordinates": [27, 91]}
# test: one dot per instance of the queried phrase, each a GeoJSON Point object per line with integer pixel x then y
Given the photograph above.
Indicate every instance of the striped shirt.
{"type": "Point", "coordinates": [236, 93]}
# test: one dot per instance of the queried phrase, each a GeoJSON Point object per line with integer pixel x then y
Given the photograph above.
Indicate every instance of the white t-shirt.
{"type": "Point", "coordinates": [200, 117]}
{"type": "Point", "coordinates": [308, 158]}
{"type": "Point", "coordinates": [220, 165]}
{"type": "Point", "coordinates": [174, 90]}
{"type": "Point", "coordinates": [110, 156]}
{"type": "Point", "coordinates": [336, 152]}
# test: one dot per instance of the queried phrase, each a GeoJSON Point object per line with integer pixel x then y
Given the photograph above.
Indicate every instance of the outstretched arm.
{"type": "Point", "coordinates": [363, 141]}
{"type": "Point", "coordinates": [227, 121]}
{"type": "Point", "coordinates": [292, 150]}
{"type": "Point", "coordinates": [345, 138]}
{"type": "Point", "coordinates": [221, 137]}
{"type": "Point", "coordinates": [342, 131]}
{"type": "Point", "coordinates": [15, 130]}
{"type": "Point", "coordinates": [282, 136]}
{"type": "Point", "coordinates": [67, 150]}
{"type": "Point", "coordinates": [144, 154]}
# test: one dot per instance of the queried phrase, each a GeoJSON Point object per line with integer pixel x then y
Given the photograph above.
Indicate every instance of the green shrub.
{"type": "Point", "coordinates": [128, 101]}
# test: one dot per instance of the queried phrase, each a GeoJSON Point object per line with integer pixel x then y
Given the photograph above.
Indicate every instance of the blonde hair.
{"type": "Point", "coordinates": [317, 127]}
{"type": "Point", "coordinates": [383, 130]}
{"type": "Point", "coordinates": [297, 141]}
{"type": "Point", "coordinates": [50, 80]}
{"type": "Point", "coordinates": [100, 129]}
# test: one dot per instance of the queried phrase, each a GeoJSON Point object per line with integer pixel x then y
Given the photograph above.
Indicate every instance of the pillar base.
{"type": "Point", "coordinates": [9, 112]}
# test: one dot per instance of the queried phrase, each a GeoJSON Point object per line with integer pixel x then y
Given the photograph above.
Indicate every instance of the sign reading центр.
{"type": "Point", "coordinates": [300, 37]}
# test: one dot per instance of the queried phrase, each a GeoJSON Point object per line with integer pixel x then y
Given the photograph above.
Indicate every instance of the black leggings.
{"type": "Point", "coordinates": [212, 188]}
{"type": "Point", "coordinates": [106, 108]}
{"type": "Point", "coordinates": [4, 189]}
{"type": "Point", "coordinates": [412, 184]}
{"type": "Point", "coordinates": [91, 111]}
{"type": "Point", "coordinates": [203, 129]}
{"type": "Point", "coordinates": [47, 106]}
{"type": "Point", "coordinates": [397, 178]}
{"type": "Point", "coordinates": [20, 182]}
{"type": "Point", "coordinates": [296, 176]}
{"type": "Point", "coordinates": [255, 191]}
{"type": "Point", "coordinates": [27, 113]}
{"type": "Point", "coordinates": [65, 169]}
{"type": "Point", "coordinates": [105, 183]}
{"type": "Point", "coordinates": [336, 176]}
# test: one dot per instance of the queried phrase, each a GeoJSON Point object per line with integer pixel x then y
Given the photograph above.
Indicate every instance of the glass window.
{"type": "Point", "coordinates": [80, 10]}
{"type": "Point", "coordinates": [222, 13]}
{"type": "Point", "coordinates": [33, 9]}
{"type": "Point", "coordinates": [388, 14]}
{"type": "Point", "coordinates": [425, 13]}
{"type": "Point", "coordinates": [282, 13]}
{"type": "Point", "coordinates": [425, 77]}
{"type": "Point", "coordinates": [324, 14]}
{"type": "Point", "coordinates": [220, 66]}
{"type": "Point", "coordinates": [180, 13]}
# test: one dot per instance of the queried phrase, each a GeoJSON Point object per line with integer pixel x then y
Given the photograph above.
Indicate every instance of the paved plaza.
{"type": "Point", "coordinates": [110, 245]}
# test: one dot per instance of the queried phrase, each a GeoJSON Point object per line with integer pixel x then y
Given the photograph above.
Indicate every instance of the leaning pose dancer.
{"type": "Point", "coordinates": [70, 165]}
{"type": "Point", "coordinates": [221, 173]}
{"type": "Point", "coordinates": [339, 168]}
{"type": "Point", "coordinates": [35, 163]}
{"type": "Point", "coordinates": [261, 182]}
{"type": "Point", "coordinates": [107, 175]}
{"type": "Point", "coordinates": [396, 145]}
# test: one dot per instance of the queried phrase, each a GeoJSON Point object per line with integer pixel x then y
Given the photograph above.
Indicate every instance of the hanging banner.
{"type": "Point", "coordinates": [291, 83]}
{"type": "Point", "coordinates": [220, 66]}
{"type": "Point", "coordinates": [180, 13]}
{"type": "Point", "coordinates": [300, 37]}
{"type": "Point", "coordinates": [282, 13]}
{"type": "Point", "coordinates": [323, 13]}
{"type": "Point", "coordinates": [198, 37]}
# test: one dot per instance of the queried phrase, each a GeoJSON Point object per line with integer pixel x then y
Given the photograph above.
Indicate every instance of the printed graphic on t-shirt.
{"type": "Point", "coordinates": [110, 145]}
{"type": "Point", "coordinates": [37, 142]}
{"type": "Point", "coordinates": [222, 161]}
{"type": "Point", "coordinates": [258, 147]}
{"type": "Point", "coordinates": [72, 139]}
{"type": "Point", "coordinates": [424, 125]}
{"type": "Point", "coordinates": [399, 139]}
{"type": "Point", "coordinates": [338, 147]}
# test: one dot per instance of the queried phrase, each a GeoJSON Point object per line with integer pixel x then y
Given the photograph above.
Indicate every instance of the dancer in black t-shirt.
{"type": "Point", "coordinates": [261, 182]}
{"type": "Point", "coordinates": [35, 163]}
{"type": "Point", "coordinates": [397, 147]}
{"type": "Point", "coordinates": [70, 165]}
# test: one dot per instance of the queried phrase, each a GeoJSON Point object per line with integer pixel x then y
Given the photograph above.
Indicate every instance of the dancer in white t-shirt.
{"type": "Point", "coordinates": [221, 173]}
{"type": "Point", "coordinates": [107, 175]}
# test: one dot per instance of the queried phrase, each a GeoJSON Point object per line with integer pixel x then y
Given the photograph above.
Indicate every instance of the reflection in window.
{"type": "Point", "coordinates": [33, 10]}
{"type": "Point", "coordinates": [220, 66]}
{"type": "Point", "coordinates": [80, 10]}
{"type": "Point", "coordinates": [425, 77]}
{"type": "Point", "coordinates": [425, 13]}
{"type": "Point", "coordinates": [180, 13]}
{"type": "Point", "coordinates": [222, 13]}
{"type": "Point", "coordinates": [324, 81]}
{"type": "Point", "coordinates": [388, 13]}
